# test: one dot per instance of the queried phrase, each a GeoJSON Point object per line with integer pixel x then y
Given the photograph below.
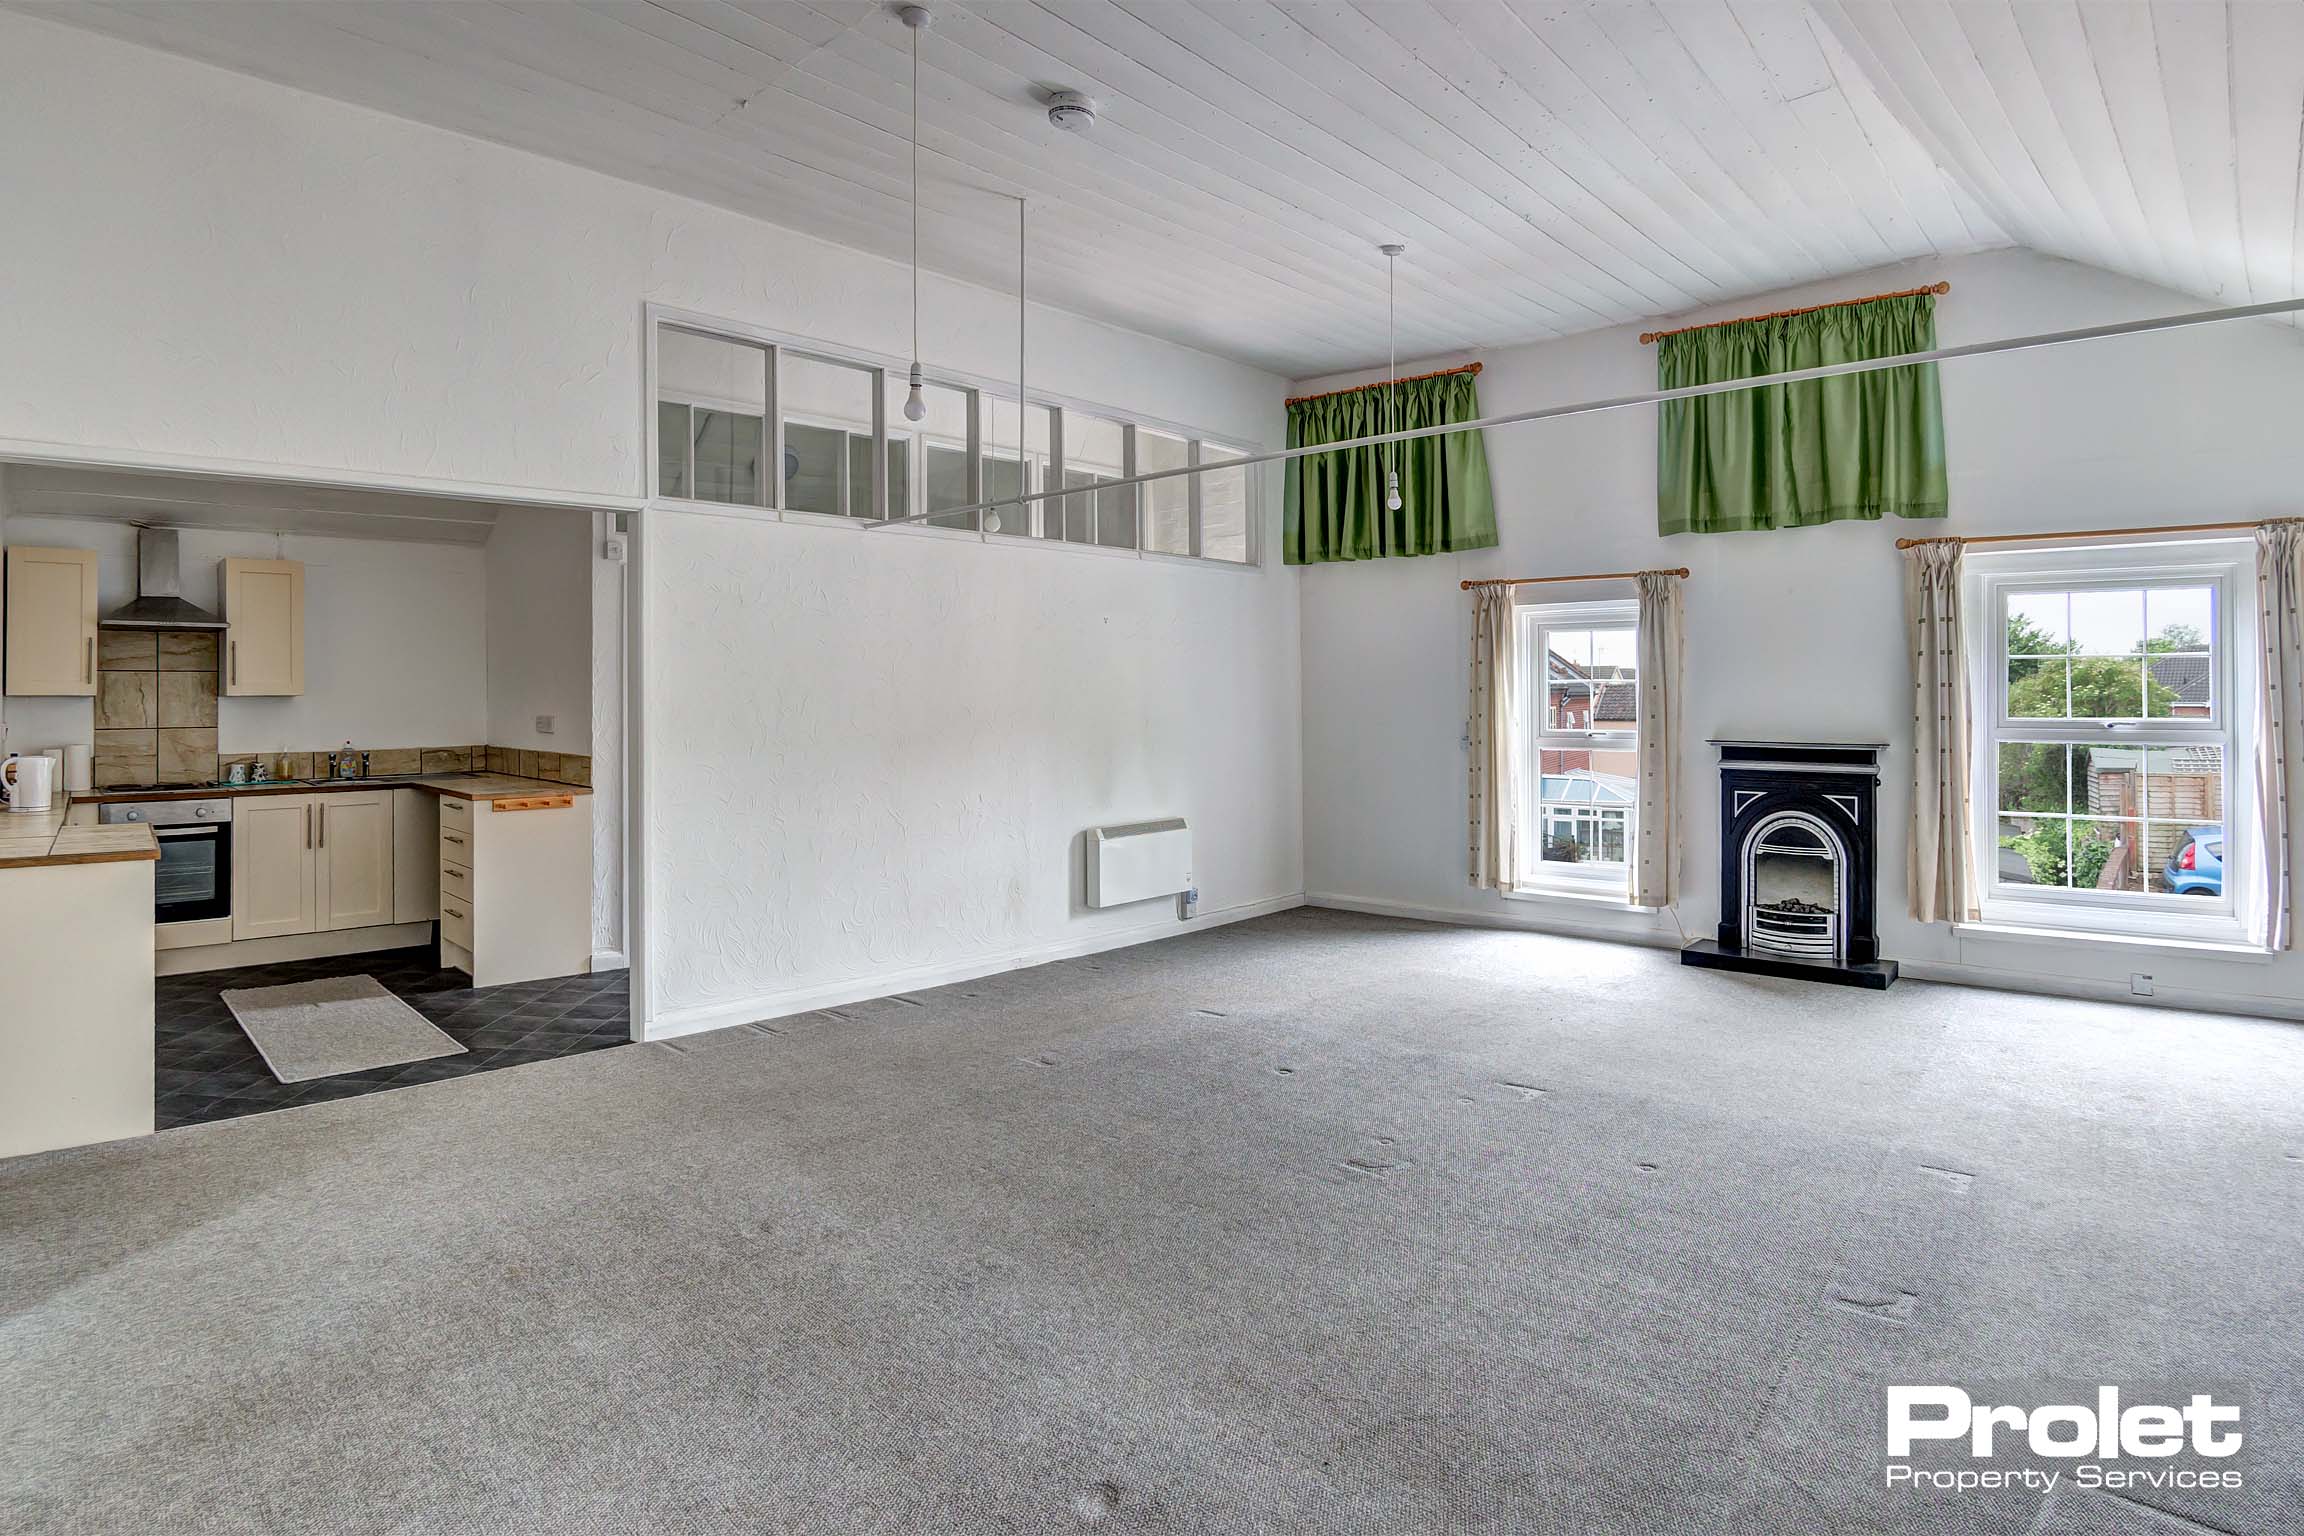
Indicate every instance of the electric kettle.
{"type": "Point", "coordinates": [28, 783]}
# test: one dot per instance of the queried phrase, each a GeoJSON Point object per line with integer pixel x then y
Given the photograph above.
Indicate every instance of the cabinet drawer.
{"type": "Point", "coordinates": [455, 844]}
{"type": "Point", "coordinates": [455, 811]}
{"type": "Point", "coordinates": [455, 883]}
{"type": "Point", "coordinates": [456, 920]}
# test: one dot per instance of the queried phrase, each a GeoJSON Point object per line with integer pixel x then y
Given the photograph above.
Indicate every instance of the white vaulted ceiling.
{"type": "Point", "coordinates": [1553, 167]}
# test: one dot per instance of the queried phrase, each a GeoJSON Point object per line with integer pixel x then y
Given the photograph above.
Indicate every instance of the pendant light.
{"type": "Point", "coordinates": [916, 404]}
{"type": "Point", "coordinates": [1392, 384]}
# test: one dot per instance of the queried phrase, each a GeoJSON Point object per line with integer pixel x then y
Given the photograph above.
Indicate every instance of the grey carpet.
{"type": "Point", "coordinates": [338, 1024]}
{"type": "Point", "coordinates": [1320, 1223]}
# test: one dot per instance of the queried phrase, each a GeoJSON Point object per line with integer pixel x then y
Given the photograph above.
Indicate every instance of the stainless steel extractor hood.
{"type": "Point", "coordinates": [160, 600]}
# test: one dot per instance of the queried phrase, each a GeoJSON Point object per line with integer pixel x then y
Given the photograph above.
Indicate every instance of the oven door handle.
{"type": "Point", "coordinates": [186, 831]}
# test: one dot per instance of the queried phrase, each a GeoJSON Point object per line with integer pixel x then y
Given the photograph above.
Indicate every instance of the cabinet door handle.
{"type": "Point", "coordinates": [452, 837]}
{"type": "Point", "coordinates": [88, 667]}
{"type": "Point", "coordinates": [323, 825]}
{"type": "Point", "coordinates": [232, 650]}
{"type": "Point", "coordinates": [307, 829]}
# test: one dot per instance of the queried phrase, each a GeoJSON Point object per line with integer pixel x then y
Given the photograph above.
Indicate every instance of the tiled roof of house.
{"type": "Point", "coordinates": [2191, 677]}
{"type": "Point", "coordinates": [1616, 704]}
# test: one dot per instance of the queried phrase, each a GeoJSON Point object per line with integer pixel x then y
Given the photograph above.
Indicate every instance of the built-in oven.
{"type": "Point", "coordinates": [194, 880]}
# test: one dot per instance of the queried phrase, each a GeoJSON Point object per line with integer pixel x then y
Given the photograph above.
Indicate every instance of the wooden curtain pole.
{"type": "Point", "coordinates": [1777, 314]}
{"type": "Point", "coordinates": [1529, 581]}
{"type": "Point", "coordinates": [1410, 378]}
{"type": "Point", "coordinates": [2092, 533]}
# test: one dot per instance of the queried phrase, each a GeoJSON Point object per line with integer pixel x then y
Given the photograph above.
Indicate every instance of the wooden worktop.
{"type": "Point", "coordinates": [464, 786]}
{"type": "Point", "coordinates": [43, 841]}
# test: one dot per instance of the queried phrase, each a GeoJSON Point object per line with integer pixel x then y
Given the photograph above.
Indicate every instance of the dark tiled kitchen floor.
{"type": "Point", "coordinates": [209, 1070]}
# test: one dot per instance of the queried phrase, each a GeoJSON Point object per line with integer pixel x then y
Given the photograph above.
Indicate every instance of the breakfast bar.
{"type": "Point", "coordinates": [76, 1055]}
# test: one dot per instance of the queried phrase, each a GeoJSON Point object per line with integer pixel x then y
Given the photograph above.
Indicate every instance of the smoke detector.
{"type": "Point", "coordinates": [1072, 111]}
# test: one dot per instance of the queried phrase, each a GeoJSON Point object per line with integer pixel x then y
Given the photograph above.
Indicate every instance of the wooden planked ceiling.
{"type": "Point", "coordinates": [1553, 167]}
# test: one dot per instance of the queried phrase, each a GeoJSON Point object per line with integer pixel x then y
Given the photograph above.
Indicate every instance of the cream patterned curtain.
{"type": "Point", "coordinates": [1943, 879]}
{"type": "Point", "coordinates": [1663, 655]}
{"type": "Point", "coordinates": [1493, 733]}
{"type": "Point", "coordinates": [2270, 902]}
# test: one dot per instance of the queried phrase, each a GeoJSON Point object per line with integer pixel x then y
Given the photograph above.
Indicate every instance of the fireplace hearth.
{"type": "Point", "coordinates": [1798, 863]}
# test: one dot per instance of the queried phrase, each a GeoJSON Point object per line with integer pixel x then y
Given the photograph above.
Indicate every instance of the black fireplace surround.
{"type": "Point", "coordinates": [1799, 863]}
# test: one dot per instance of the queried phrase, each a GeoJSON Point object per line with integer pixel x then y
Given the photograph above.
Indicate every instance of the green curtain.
{"type": "Point", "coordinates": [1789, 455]}
{"type": "Point", "coordinates": [1335, 501]}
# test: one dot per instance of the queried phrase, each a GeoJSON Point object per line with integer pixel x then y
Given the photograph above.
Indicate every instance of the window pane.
{"type": "Point", "coordinates": [2180, 618]}
{"type": "Point", "coordinates": [671, 449]}
{"type": "Point", "coordinates": [812, 469]}
{"type": "Point", "coordinates": [1568, 707]}
{"type": "Point", "coordinates": [1568, 653]}
{"type": "Point", "coordinates": [1095, 451]}
{"type": "Point", "coordinates": [2033, 850]}
{"type": "Point", "coordinates": [944, 472]}
{"type": "Point", "coordinates": [1167, 503]}
{"type": "Point", "coordinates": [2107, 687]}
{"type": "Point", "coordinates": [727, 457]}
{"type": "Point", "coordinates": [711, 370]}
{"type": "Point", "coordinates": [860, 474]}
{"type": "Point", "coordinates": [1224, 502]}
{"type": "Point", "coordinates": [2032, 777]}
{"type": "Point", "coordinates": [2184, 784]}
{"type": "Point", "coordinates": [2037, 688]}
{"type": "Point", "coordinates": [2184, 860]}
{"type": "Point", "coordinates": [2108, 856]}
{"type": "Point", "coordinates": [1006, 477]}
{"type": "Point", "coordinates": [726, 383]}
{"type": "Point", "coordinates": [2039, 623]}
{"type": "Point", "coordinates": [823, 404]}
{"type": "Point", "coordinates": [2180, 687]}
{"type": "Point", "coordinates": [943, 435]}
{"type": "Point", "coordinates": [1000, 471]}
{"type": "Point", "coordinates": [2107, 623]}
{"type": "Point", "coordinates": [2107, 781]}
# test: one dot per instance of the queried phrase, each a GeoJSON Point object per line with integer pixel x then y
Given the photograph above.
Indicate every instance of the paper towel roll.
{"type": "Point", "coordinates": [77, 769]}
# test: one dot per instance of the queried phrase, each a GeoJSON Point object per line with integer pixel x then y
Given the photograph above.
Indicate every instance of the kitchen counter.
{"type": "Point", "coordinates": [42, 841]}
{"type": "Point", "coordinates": [463, 786]}
{"type": "Point", "coordinates": [76, 1061]}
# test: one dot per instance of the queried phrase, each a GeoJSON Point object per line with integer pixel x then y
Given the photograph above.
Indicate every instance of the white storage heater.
{"type": "Point", "coordinates": [1138, 861]}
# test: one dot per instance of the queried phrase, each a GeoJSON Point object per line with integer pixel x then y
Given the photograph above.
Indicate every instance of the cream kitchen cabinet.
{"type": "Point", "coordinates": [51, 625]}
{"type": "Point", "coordinates": [516, 886]}
{"type": "Point", "coordinates": [263, 651]}
{"type": "Point", "coordinates": [311, 863]}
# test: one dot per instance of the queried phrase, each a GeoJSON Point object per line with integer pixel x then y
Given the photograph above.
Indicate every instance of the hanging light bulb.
{"type": "Point", "coordinates": [1392, 381]}
{"type": "Point", "coordinates": [915, 403]}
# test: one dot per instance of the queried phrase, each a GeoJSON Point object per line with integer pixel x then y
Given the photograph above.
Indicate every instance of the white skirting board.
{"type": "Point", "coordinates": [2080, 989]}
{"type": "Point", "coordinates": [1534, 922]}
{"type": "Point", "coordinates": [772, 1005]}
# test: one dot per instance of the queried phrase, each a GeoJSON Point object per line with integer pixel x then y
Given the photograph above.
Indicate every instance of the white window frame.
{"type": "Point", "coordinates": [657, 317]}
{"type": "Point", "coordinates": [1533, 622]}
{"type": "Point", "coordinates": [1989, 580]}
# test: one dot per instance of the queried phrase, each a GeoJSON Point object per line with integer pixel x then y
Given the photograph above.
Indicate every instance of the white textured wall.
{"type": "Point", "coordinates": [394, 635]}
{"type": "Point", "coordinates": [1796, 633]}
{"type": "Point", "coordinates": [208, 268]}
{"type": "Point", "coordinates": [873, 754]}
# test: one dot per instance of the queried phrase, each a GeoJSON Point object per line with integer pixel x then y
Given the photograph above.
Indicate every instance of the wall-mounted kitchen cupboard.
{"type": "Point", "coordinates": [51, 622]}
{"type": "Point", "coordinates": [312, 863]}
{"type": "Point", "coordinates": [263, 653]}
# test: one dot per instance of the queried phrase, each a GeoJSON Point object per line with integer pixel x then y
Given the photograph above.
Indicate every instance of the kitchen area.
{"type": "Point", "coordinates": [323, 760]}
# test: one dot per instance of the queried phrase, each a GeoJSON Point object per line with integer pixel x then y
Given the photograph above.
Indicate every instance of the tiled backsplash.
{"type": "Point", "coordinates": [156, 724]}
{"type": "Point", "coordinates": [559, 767]}
{"type": "Point", "coordinates": [155, 707]}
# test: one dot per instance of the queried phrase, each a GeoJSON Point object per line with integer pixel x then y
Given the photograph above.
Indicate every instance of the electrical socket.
{"type": "Point", "coordinates": [2139, 984]}
{"type": "Point", "coordinates": [544, 724]}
